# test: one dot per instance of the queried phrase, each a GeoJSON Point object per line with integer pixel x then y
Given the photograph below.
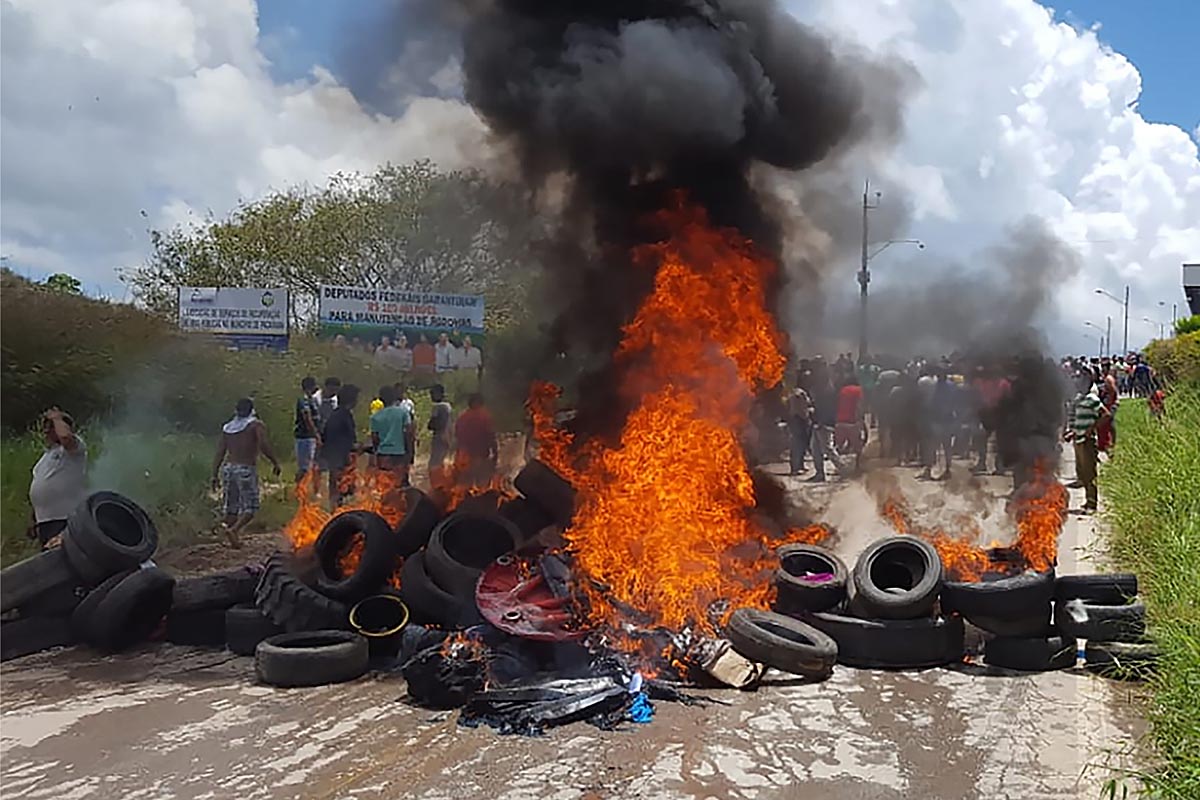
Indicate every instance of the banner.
{"type": "Point", "coordinates": [243, 318]}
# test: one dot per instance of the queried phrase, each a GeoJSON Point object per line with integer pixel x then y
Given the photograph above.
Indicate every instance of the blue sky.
{"type": "Point", "coordinates": [1158, 36]}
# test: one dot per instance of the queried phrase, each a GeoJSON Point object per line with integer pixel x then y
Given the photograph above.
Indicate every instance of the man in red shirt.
{"type": "Point", "coordinates": [850, 432]}
{"type": "Point", "coordinates": [475, 435]}
{"type": "Point", "coordinates": [990, 389]}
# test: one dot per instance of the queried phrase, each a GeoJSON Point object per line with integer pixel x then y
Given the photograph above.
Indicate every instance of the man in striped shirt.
{"type": "Point", "coordinates": [1086, 412]}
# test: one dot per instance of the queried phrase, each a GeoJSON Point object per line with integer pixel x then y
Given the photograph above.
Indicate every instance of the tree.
{"type": "Point", "coordinates": [410, 226]}
{"type": "Point", "coordinates": [62, 282]}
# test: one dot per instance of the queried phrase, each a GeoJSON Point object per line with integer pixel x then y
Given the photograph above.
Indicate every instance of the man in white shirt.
{"type": "Point", "coordinates": [469, 356]}
{"type": "Point", "coordinates": [59, 478]}
{"type": "Point", "coordinates": [404, 354]}
{"type": "Point", "coordinates": [444, 356]}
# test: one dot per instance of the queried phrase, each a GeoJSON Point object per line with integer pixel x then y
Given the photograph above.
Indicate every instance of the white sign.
{"type": "Point", "coordinates": [346, 308]}
{"type": "Point", "coordinates": [250, 316]}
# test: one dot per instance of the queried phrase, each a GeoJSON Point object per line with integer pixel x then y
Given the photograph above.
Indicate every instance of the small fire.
{"type": "Point", "coordinates": [664, 520]}
{"type": "Point", "coordinates": [1041, 511]}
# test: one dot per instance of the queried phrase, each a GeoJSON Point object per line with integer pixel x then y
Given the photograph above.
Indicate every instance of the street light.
{"type": "Point", "coordinates": [1125, 303]}
{"type": "Point", "coordinates": [1174, 312]}
{"type": "Point", "coordinates": [1161, 326]}
{"type": "Point", "coordinates": [864, 275]}
{"type": "Point", "coordinates": [1091, 324]}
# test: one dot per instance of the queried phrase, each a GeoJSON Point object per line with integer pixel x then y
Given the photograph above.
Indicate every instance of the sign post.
{"type": "Point", "coordinates": [245, 319]}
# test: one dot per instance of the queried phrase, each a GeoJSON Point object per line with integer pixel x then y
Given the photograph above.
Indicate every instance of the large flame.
{"type": "Point", "coordinates": [665, 517]}
{"type": "Point", "coordinates": [1041, 511]}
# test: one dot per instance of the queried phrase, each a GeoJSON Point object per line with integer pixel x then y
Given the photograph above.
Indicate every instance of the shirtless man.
{"type": "Point", "coordinates": [235, 467]}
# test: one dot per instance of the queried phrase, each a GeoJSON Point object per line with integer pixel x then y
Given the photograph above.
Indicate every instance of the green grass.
{"type": "Point", "coordinates": [1151, 490]}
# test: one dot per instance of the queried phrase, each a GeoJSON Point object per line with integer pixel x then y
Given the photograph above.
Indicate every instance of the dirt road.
{"type": "Point", "coordinates": [171, 722]}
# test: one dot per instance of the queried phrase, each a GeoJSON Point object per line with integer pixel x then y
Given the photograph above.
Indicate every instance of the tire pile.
{"type": "Point", "coordinates": [897, 611]}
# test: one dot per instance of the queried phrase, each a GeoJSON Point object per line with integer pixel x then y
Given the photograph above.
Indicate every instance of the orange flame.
{"type": "Point", "coordinates": [664, 519]}
{"type": "Point", "coordinates": [1041, 511]}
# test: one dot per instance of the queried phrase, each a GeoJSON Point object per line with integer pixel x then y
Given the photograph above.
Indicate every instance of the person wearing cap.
{"type": "Point", "coordinates": [59, 481]}
{"type": "Point", "coordinates": [235, 467]}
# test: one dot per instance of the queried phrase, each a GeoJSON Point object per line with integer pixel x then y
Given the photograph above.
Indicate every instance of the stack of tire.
{"type": "Point", "coordinates": [98, 588]}
{"type": "Point", "coordinates": [1103, 610]}
{"type": "Point", "coordinates": [217, 610]}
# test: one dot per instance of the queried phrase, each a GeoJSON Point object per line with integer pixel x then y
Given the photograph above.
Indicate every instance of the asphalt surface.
{"type": "Point", "coordinates": [175, 722]}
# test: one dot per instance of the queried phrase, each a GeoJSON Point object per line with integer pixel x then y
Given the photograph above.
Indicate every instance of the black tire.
{"type": "Point", "coordinates": [23, 637]}
{"type": "Point", "coordinates": [1106, 590]}
{"type": "Point", "coordinates": [1121, 660]}
{"type": "Point", "coordinates": [429, 603]}
{"type": "Point", "coordinates": [220, 590]}
{"type": "Point", "coordinates": [530, 518]}
{"type": "Point", "coordinates": [795, 594]}
{"type": "Point", "coordinates": [781, 642]}
{"type": "Point", "coordinates": [1104, 623]}
{"type": "Point", "coordinates": [1035, 654]}
{"type": "Point", "coordinates": [898, 578]}
{"type": "Point", "coordinates": [27, 579]}
{"type": "Point", "coordinates": [547, 489]}
{"type": "Point", "coordinates": [464, 544]}
{"type": "Point", "coordinates": [420, 518]}
{"type": "Point", "coordinates": [131, 611]}
{"type": "Point", "coordinates": [311, 658]}
{"type": "Point", "coordinates": [81, 617]}
{"type": "Point", "coordinates": [112, 531]}
{"type": "Point", "coordinates": [1024, 628]}
{"type": "Point", "coordinates": [1016, 597]}
{"type": "Point", "coordinates": [245, 627]}
{"type": "Point", "coordinates": [292, 605]}
{"type": "Point", "coordinates": [203, 628]}
{"type": "Point", "coordinates": [374, 566]}
{"type": "Point", "coordinates": [60, 601]}
{"type": "Point", "coordinates": [893, 644]}
{"type": "Point", "coordinates": [89, 571]}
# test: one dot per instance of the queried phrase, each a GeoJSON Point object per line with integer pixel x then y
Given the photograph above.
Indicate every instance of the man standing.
{"type": "Point", "coordinates": [475, 433]}
{"type": "Point", "coordinates": [423, 355]}
{"type": "Point", "coordinates": [851, 430]}
{"type": "Point", "coordinates": [824, 418]}
{"type": "Point", "coordinates": [990, 389]}
{"type": "Point", "coordinates": [341, 445]}
{"type": "Point", "coordinates": [391, 432]}
{"type": "Point", "coordinates": [1085, 414]}
{"type": "Point", "coordinates": [439, 430]}
{"type": "Point", "coordinates": [799, 425]}
{"type": "Point", "coordinates": [307, 429]}
{"type": "Point", "coordinates": [470, 357]}
{"type": "Point", "coordinates": [235, 467]}
{"type": "Point", "coordinates": [404, 354]}
{"type": "Point", "coordinates": [59, 478]}
{"type": "Point", "coordinates": [445, 355]}
{"type": "Point", "coordinates": [385, 354]}
{"type": "Point", "coordinates": [327, 402]}
{"type": "Point", "coordinates": [941, 417]}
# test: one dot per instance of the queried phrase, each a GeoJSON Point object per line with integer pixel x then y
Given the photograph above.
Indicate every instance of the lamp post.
{"type": "Point", "coordinates": [1174, 312]}
{"type": "Point", "coordinates": [1091, 324]}
{"type": "Point", "coordinates": [1161, 326]}
{"type": "Point", "coordinates": [1125, 303]}
{"type": "Point", "coordinates": [864, 275]}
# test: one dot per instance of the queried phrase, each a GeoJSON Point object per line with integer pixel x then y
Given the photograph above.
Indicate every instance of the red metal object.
{"type": "Point", "coordinates": [513, 596]}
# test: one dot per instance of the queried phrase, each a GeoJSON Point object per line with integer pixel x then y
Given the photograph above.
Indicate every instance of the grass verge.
{"type": "Point", "coordinates": [1152, 493]}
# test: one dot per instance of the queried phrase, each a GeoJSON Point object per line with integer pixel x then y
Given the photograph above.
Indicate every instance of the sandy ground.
{"type": "Point", "coordinates": [174, 722]}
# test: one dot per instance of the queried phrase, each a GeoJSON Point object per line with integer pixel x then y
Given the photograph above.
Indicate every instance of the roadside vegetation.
{"type": "Point", "coordinates": [1152, 491]}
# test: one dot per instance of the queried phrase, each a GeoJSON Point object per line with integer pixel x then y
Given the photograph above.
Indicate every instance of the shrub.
{"type": "Point", "coordinates": [1176, 359]}
{"type": "Point", "coordinates": [1187, 324]}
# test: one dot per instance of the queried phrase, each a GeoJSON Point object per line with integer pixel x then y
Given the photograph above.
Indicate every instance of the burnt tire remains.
{"type": "Point", "coordinates": [1032, 654]}
{"type": "Point", "coordinates": [893, 644]}
{"type": "Point", "coordinates": [898, 578]}
{"type": "Point", "coordinates": [376, 561]}
{"type": "Point", "coordinates": [464, 544]}
{"type": "Point", "coordinates": [548, 490]}
{"type": "Point", "coordinates": [782, 643]}
{"type": "Point", "coordinates": [245, 627]}
{"type": "Point", "coordinates": [311, 658]}
{"type": "Point", "coordinates": [292, 605]}
{"type": "Point", "coordinates": [421, 516]}
{"type": "Point", "coordinates": [429, 603]}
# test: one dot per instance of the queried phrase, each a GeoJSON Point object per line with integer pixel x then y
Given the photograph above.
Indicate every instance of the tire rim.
{"type": "Point", "coordinates": [382, 599]}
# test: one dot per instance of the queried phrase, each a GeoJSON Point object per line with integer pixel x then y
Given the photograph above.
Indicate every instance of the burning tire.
{"type": "Point", "coordinates": [1110, 590]}
{"type": "Point", "coordinates": [429, 603]}
{"type": "Point", "coordinates": [376, 561]}
{"type": "Point", "coordinates": [781, 642]}
{"type": "Point", "coordinates": [108, 533]}
{"type": "Point", "coordinates": [548, 490]}
{"type": "Point", "coordinates": [1121, 660]}
{"type": "Point", "coordinates": [311, 658]}
{"type": "Point", "coordinates": [245, 627]}
{"type": "Point", "coordinates": [420, 518]}
{"type": "Point", "coordinates": [23, 637]}
{"type": "Point", "coordinates": [1033, 654]}
{"type": "Point", "coordinates": [1098, 623]}
{"type": "Point", "coordinates": [1023, 598]}
{"type": "Point", "coordinates": [203, 628]}
{"type": "Point", "coordinates": [461, 547]}
{"type": "Point", "coordinates": [292, 605]}
{"type": "Point", "coordinates": [809, 578]}
{"type": "Point", "coordinates": [219, 590]}
{"type": "Point", "coordinates": [898, 578]}
{"type": "Point", "coordinates": [528, 516]}
{"type": "Point", "coordinates": [893, 644]}
{"type": "Point", "coordinates": [131, 610]}
{"type": "Point", "coordinates": [26, 580]}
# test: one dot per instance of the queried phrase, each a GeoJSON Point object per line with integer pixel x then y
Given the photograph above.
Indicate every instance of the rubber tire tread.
{"type": "Point", "coordinates": [81, 617]}
{"type": "Point", "coordinates": [23, 637]}
{"type": "Point", "coordinates": [1016, 597]}
{"type": "Point", "coordinates": [131, 610]}
{"type": "Point", "coordinates": [102, 549]}
{"type": "Point", "coordinates": [795, 596]}
{"type": "Point", "coordinates": [747, 631]}
{"type": "Point", "coordinates": [27, 579]}
{"type": "Point", "coordinates": [916, 602]}
{"type": "Point", "coordinates": [245, 627]}
{"type": "Point", "coordinates": [1125, 623]}
{"type": "Point", "coordinates": [342, 658]}
{"type": "Point", "coordinates": [1025, 628]}
{"type": "Point", "coordinates": [420, 518]}
{"type": "Point", "coordinates": [893, 644]}
{"type": "Point", "coordinates": [429, 603]}
{"type": "Point", "coordinates": [218, 590]}
{"type": "Point", "coordinates": [1110, 589]}
{"type": "Point", "coordinates": [292, 605]}
{"type": "Point", "coordinates": [456, 578]}
{"type": "Point", "coordinates": [203, 628]}
{"type": "Point", "coordinates": [547, 489]}
{"type": "Point", "coordinates": [89, 571]}
{"type": "Point", "coordinates": [1033, 654]}
{"type": "Point", "coordinates": [377, 562]}
{"type": "Point", "coordinates": [59, 601]}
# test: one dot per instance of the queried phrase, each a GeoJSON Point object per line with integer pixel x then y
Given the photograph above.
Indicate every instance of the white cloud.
{"type": "Point", "coordinates": [167, 106]}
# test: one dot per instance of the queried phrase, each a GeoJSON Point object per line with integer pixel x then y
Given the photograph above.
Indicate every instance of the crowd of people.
{"type": "Point", "coordinates": [424, 357]}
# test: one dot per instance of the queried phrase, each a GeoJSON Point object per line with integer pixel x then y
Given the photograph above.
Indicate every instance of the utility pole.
{"type": "Point", "coordinates": [1125, 346]}
{"type": "Point", "coordinates": [1108, 337]}
{"type": "Point", "coordinates": [864, 277]}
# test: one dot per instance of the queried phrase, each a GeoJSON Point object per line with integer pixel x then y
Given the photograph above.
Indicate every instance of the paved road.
{"type": "Point", "coordinates": [172, 722]}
